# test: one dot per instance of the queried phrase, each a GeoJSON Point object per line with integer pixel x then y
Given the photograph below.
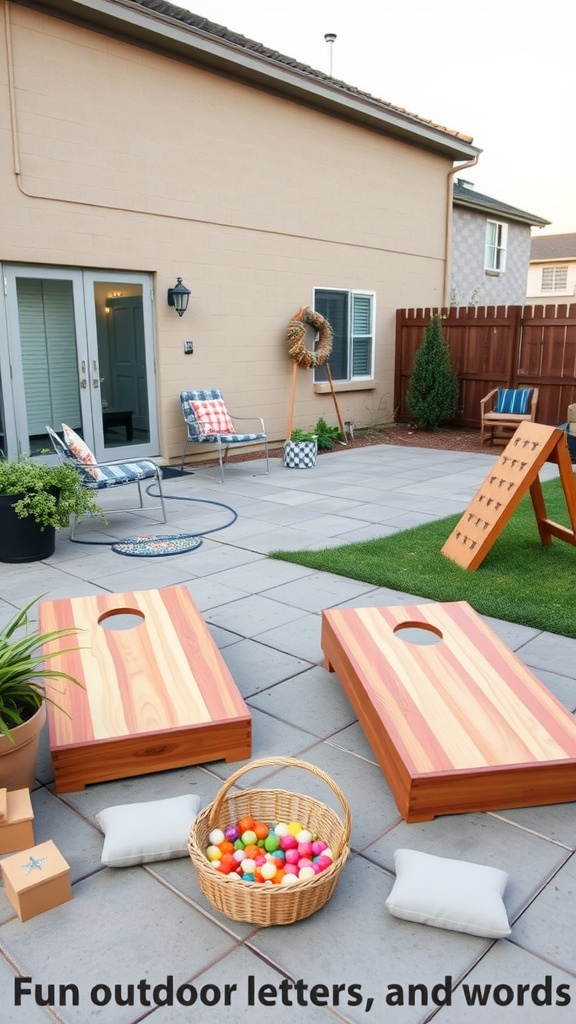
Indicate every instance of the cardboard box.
{"type": "Point", "coordinates": [16, 830]}
{"type": "Point", "coordinates": [36, 880]}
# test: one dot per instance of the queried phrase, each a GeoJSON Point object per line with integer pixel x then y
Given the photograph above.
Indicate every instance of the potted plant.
{"type": "Point", "coordinates": [23, 697]}
{"type": "Point", "coordinates": [301, 449]}
{"type": "Point", "coordinates": [326, 436]}
{"type": "Point", "coordinates": [36, 499]}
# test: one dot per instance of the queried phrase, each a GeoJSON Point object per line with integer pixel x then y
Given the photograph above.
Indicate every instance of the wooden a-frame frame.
{"type": "Point", "coordinates": [515, 473]}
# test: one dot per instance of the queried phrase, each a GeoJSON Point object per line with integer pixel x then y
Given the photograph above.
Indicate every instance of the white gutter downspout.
{"type": "Point", "coordinates": [10, 75]}
{"type": "Point", "coordinates": [449, 208]}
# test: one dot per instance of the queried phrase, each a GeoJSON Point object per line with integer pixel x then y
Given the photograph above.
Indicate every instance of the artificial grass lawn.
{"type": "Point", "coordinates": [520, 579]}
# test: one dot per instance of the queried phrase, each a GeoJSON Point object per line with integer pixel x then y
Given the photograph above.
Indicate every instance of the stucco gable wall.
{"type": "Point", "coordinates": [123, 127]}
{"type": "Point", "coordinates": [131, 160]}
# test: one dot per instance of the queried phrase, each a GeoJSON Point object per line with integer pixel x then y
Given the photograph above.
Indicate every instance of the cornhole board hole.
{"type": "Point", "coordinates": [156, 692]}
{"type": "Point", "coordinates": [456, 725]}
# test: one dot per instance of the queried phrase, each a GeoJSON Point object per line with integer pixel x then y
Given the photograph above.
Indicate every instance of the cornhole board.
{"type": "Point", "coordinates": [458, 725]}
{"type": "Point", "coordinates": [154, 696]}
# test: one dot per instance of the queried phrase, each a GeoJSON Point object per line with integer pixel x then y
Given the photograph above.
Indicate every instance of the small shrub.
{"type": "Point", "coordinates": [326, 435]}
{"type": "Point", "coordinates": [433, 393]}
{"type": "Point", "coordinates": [302, 435]}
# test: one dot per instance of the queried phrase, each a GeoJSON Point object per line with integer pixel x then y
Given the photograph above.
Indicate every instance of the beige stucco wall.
{"type": "Point", "coordinates": [129, 160]}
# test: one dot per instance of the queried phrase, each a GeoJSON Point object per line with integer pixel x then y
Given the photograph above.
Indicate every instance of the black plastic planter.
{"type": "Point", "coordinates": [22, 540]}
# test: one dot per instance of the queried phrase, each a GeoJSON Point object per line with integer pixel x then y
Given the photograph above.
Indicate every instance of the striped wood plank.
{"type": "Point", "coordinates": [457, 725]}
{"type": "Point", "coordinates": [155, 696]}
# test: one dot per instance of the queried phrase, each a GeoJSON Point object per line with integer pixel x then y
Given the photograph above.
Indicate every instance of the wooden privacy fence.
{"type": "Point", "coordinates": [496, 346]}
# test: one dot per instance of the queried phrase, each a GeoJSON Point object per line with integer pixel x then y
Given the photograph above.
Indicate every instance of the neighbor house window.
{"type": "Point", "coordinates": [351, 316]}
{"type": "Point", "coordinates": [554, 279]}
{"type": "Point", "coordinates": [495, 254]}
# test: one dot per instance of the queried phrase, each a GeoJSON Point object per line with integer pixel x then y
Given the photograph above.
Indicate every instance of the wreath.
{"type": "Point", "coordinates": [296, 334]}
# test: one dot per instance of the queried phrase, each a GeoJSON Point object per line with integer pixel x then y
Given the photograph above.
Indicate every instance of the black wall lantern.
{"type": "Point", "coordinates": [178, 297]}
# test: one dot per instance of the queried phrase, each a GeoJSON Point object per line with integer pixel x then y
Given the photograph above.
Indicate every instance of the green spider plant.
{"type": "Point", "coordinates": [22, 670]}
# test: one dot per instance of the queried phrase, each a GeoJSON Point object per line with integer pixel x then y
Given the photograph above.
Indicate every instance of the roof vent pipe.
{"type": "Point", "coordinates": [330, 38]}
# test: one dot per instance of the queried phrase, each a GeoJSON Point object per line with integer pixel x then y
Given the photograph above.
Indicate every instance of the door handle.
{"type": "Point", "coordinates": [95, 382]}
{"type": "Point", "coordinates": [83, 383]}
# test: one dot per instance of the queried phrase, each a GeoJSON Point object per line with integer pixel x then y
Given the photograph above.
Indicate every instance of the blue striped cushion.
{"type": "Point", "coordinates": [242, 438]}
{"type": "Point", "coordinates": [514, 401]}
{"type": "Point", "coordinates": [124, 473]}
{"type": "Point", "coordinates": [231, 438]}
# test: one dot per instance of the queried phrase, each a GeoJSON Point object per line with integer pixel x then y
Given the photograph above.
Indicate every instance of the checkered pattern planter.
{"type": "Point", "coordinates": [300, 454]}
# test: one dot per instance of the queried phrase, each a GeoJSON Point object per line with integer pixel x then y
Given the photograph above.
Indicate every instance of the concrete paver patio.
{"type": "Point", "coordinates": [129, 932]}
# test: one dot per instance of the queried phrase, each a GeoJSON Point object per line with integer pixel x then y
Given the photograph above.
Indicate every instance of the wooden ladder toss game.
{"type": "Point", "coordinates": [515, 473]}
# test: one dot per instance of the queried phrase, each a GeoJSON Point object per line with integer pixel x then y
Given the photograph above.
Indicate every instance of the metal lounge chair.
{"type": "Point", "coordinates": [209, 422]}
{"type": "Point", "coordinates": [104, 475]}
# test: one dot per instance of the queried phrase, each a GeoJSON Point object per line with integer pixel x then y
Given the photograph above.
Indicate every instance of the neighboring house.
{"type": "Point", "coordinates": [490, 249]}
{"type": "Point", "coordinates": [142, 143]}
{"type": "Point", "coordinates": [552, 270]}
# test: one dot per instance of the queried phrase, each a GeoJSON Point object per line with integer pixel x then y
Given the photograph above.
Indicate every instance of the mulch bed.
{"type": "Point", "coordinates": [444, 438]}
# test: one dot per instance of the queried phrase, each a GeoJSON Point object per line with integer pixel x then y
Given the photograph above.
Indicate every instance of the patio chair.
{"type": "Point", "coordinates": [504, 408]}
{"type": "Point", "coordinates": [209, 422]}
{"type": "Point", "coordinates": [104, 475]}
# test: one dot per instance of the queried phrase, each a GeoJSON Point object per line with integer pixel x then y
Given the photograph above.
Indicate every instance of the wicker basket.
{"type": "Point", "coordinates": [270, 904]}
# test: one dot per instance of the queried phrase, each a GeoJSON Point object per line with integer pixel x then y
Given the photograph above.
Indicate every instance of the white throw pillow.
{"type": "Point", "coordinates": [451, 894]}
{"type": "Point", "coordinates": [80, 450]}
{"type": "Point", "coordinates": [139, 833]}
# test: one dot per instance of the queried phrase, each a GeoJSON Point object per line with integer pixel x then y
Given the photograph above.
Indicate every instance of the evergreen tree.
{"type": "Point", "coordinates": [433, 393]}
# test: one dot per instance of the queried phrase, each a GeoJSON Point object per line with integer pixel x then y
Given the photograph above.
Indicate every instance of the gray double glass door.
{"type": "Point", "coordinates": [80, 351]}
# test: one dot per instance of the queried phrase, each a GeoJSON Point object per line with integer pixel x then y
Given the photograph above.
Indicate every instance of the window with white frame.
{"type": "Point", "coordinates": [554, 279]}
{"type": "Point", "coordinates": [351, 316]}
{"type": "Point", "coordinates": [495, 251]}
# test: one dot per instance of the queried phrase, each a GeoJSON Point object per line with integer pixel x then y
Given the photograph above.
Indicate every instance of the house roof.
{"type": "Point", "coordinates": [553, 247]}
{"type": "Point", "coordinates": [468, 197]}
{"type": "Point", "coordinates": [192, 37]}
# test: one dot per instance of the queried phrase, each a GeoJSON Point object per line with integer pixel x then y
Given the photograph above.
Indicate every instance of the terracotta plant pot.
{"type": "Point", "coordinates": [18, 760]}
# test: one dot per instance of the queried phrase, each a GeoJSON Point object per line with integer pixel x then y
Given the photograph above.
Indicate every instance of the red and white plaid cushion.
{"type": "Point", "coordinates": [213, 417]}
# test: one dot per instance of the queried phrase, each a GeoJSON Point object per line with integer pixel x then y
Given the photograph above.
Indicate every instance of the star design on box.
{"type": "Point", "coordinates": [34, 862]}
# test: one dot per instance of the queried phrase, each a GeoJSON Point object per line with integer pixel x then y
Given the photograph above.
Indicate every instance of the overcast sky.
{"type": "Point", "coordinates": [501, 71]}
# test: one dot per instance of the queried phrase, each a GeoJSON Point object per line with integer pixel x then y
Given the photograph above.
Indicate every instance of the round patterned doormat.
{"type": "Point", "coordinates": [153, 547]}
